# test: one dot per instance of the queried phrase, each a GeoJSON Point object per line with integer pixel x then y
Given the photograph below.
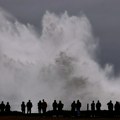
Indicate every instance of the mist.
{"type": "Point", "coordinates": [59, 63]}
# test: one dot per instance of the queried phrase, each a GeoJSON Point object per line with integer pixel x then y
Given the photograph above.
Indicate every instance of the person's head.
{"type": "Point", "coordinates": [7, 103]}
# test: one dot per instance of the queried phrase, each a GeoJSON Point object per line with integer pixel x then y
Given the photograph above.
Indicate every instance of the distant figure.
{"type": "Point", "coordinates": [44, 106]}
{"type": "Point", "coordinates": [73, 106]}
{"type": "Point", "coordinates": [7, 107]}
{"type": "Point", "coordinates": [98, 106]}
{"type": "Point", "coordinates": [78, 106]}
{"type": "Point", "coordinates": [29, 107]}
{"type": "Point", "coordinates": [2, 106]}
{"type": "Point", "coordinates": [39, 106]}
{"type": "Point", "coordinates": [117, 108]}
{"type": "Point", "coordinates": [23, 107]}
{"type": "Point", "coordinates": [88, 112]}
{"type": "Point", "coordinates": [110, 106]}
{"type": "Point", "coordinates": [60, 107]}
{"type": "Point", "coordinates": [93, 109]}
{"type": "Point", "coordinates": [55, 106]}
{"type": "Point", "coordinates": [87, 107]}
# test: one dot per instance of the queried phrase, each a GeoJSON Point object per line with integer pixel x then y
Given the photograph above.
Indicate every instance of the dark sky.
{"type": "Point", "coordinates": [104, 16]}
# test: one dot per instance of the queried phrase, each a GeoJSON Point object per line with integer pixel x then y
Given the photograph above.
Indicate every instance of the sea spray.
{"type": "Point", "coordinates": [59, 64]}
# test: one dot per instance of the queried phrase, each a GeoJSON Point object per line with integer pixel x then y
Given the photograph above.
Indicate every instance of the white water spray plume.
{"type": "Point", "coordinates": [59, 64]}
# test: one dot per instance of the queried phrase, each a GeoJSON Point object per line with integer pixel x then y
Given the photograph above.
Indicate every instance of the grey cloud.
{"type": "Point", "coordinates": [103, 15]}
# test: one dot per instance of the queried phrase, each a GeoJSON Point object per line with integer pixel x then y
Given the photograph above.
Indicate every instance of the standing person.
{"type": "Point", "coordinates": [98, 106]}
{"type": "Point", "coordinates": [2, 107]}
{"type": "Point", "coordinates": [44, 106]}
{"type": "Point", "coordinates": [78, 106]}
{"type": "Point", "coordinates": [117, 108]}
{"type": "Point", "coordinates": [60, 107]}
{"type": "Point", "coordinates": [7, 107]}
{"type": "Point", "coordinates": [110, 108]}
{"type": "Point", "coordinates": [23, 107]}
{"type": "Point", "coordinates": [88, 112]}
{"type": "Point", "coordinates": [55, 106]}
{"type": "Point", "coordinates": [87, 106]}
{"type": "Point", "coordinates": [29, 107]}
{"type": "Point", "coordinates": [39, 106]}
{"type": "Point", "coordinates": [93, 109]}
{"type": "Point", "coordinates": [73, 106]}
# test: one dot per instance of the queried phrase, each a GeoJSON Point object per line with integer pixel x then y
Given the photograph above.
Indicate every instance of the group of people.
{"type": "Point", "coordinates": [58, 107]}
{"type": "Point", "coordinates": [42, 106]}
{"type": "Point", "coordinates": [115, 107]}
{"type": "Point", "coordinates": [28, 105]}
{"type": "Point", "coordinates": [95, 108]}
{"type": "Point", "coordinates": [75, 107]}
{"type": "Point", "coordinates": [110, 105]}
{"type": "Point", "coordinates": [4, 108]}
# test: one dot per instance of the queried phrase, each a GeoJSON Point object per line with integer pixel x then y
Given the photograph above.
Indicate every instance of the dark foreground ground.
{"type": "Point", "coordinates": [66, 115]}
{"type": "Point", "coordinates": [50, 118]}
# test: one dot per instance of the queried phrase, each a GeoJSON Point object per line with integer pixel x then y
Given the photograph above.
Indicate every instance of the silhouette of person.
{"type": "Point", "coordinates": [23, 107]}
{"type": "Point", "coordinates": [73, 106]}
{"type": "Point", "coordinates": [7, 107]}
{"type": "Point", "coordinates": [55, 105]}
{"type": "Point", "coordinates": [93, 109]}
{"type": "Point", "coordinates": [117, 107]}
{"type": "Point", "coordinates": [110, 106]}
{"type": "Point", "coordinates": [44, 106]}
{"type": "Point", "coordinates": [39, 106]}
{"type": "Point", "coordinates": [29, 107]}
{"type": "Point", "coordinates": [87, 107]}
{"type": "Point", "coordinates": [78, 106]}
{"type": "Point", "coordinates": [2, 106]}
{"type": "Point", "coordinates": [88, 112]}
{"type": "Point", "coordinates": [60, 107]}
{"type": "Point", "coordinates": [98, 106]}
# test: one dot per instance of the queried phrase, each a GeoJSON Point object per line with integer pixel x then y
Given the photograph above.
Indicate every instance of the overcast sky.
{"type": "Point", "coordinates": [104, 16]}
